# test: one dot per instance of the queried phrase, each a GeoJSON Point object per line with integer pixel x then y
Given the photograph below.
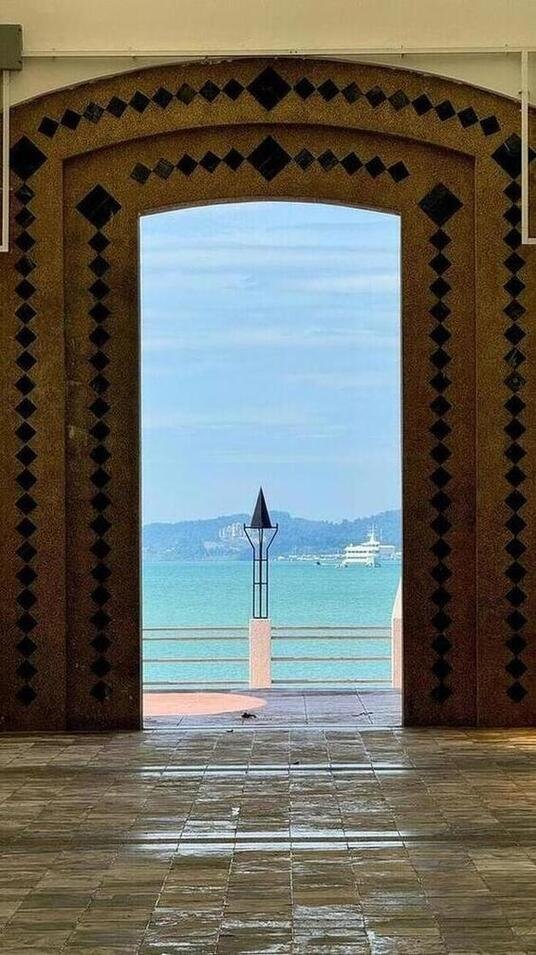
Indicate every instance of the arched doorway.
{"type": "Point", "coordinates": [86, 164]}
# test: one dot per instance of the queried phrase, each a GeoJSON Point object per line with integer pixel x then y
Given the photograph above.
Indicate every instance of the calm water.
{"type": "Point", "coordinates": [302, 595]}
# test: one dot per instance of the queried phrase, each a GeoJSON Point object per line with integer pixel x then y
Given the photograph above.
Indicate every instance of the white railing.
{"type": "Point", "coordinates": [178, 658]}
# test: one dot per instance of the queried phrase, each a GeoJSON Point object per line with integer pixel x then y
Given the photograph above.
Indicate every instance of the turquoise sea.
{"type": "Point", "coordinates": [207, 595]}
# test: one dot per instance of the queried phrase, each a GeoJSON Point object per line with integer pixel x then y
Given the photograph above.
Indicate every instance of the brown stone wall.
{"type": "Point", "coordinates": [86, 163]}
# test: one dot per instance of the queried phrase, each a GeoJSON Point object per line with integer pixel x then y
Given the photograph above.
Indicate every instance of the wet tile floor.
{"type": "Point", "coordinates": [269, 840]}
{"type": "Point", "coordinates": [275, 706]}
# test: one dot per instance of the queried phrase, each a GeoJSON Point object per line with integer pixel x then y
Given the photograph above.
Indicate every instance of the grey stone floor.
{"type": "Point", "coordinates": [286, 708]}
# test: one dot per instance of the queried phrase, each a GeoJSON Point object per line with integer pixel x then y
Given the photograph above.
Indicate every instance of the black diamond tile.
{"type": "Point", "coordinates": [25, 312]}
{"type": "Point", "coordinates": [375, 167]}
{"type": "Point", "coordinates": [98, 206]}
{"type": "Point", "coordinates": [139, 101]}
{"type": "Point", "coordinates": [508, 156]}
{"type": "Point", "coordinates": [515, 405]}
{"type": "Point", "coordinates": [25, 241]}
{"type": "Point", "coordinates": [140, 173]}
{"type": "Point", "coordinates": [163, 169]}
{"type": "Point", "coordinates": [516, 597]}
{"type": "Point", "coordinates": [514, 286]}
{"type": "Point", "coordinates": [514, 310]}
{"type": "Point", "coordinates": [70, 119]}
{"type": "Point", "coordinates": [99, 242]}
{"type": "Point", "coordinates": [398, 171]}
{"type": "Point", "coordinates": [99, 312]}
{"type": "Point", "coordinates": [351, 93]}
{"type": "Point", "coordinates": [99, 266]}
{"type": "Point", "coordinates": [467, 117]}
{"type": "Point", "coordinates": [304, 88]}
{"type": "Point", "coordinates": [101, 667]}
{"type": "Point", "coordinates": [445, 110]}
{"type": "Point", "coordinates": [269, 158]}
{"type": "Point", "coordinates": [162, 97]}
{"type": "Point", "coordinates": [26, 670]}
{"type": "Point", "coordinates": [304, 159]}
{"type": "Point", "coordinates": [101, 691]}
{"type": "Point", "coordinates": [516, 692]}
{"type": "Point", "coordinates": [328, 90]}
{"type": "Point", "coordinates": [440, 287]}
{"type": "Point", "coordinates": [25, 158]}
{"type": "Point", "coordinates": [48, 127]}
{"type": "Point", "coordinates": [513, 191]}
{"type": "Point", "coordinates": [26, 646]}
{"type": "Point", "coordinates": [26, 695]}
{"type": "Point", "coordinates": [209, 91]}
{"type": "Point", "coordinates": [101, 572]}
{"type": "Point", "coordinates": [516, 643]}
{"type": "Point", "coordinates": [441, 693]}
{"type": "Point", "coordinates": [399, 100]}
{"type": "Point", "coordinates": [515, 357]}
{"type": "Point", "coordinates": [100, 525]}
{"type": "Point", "coordinates": [440, 311]}
{"type": "Point", "coordinates": [514, 262]}
{"type": "Point", "coordinates": [25, 218]}
{"type": "Point", "coordinates": [513, 238]}
{"type": "Point", "coordinates": [93, 112]}
{"type": "Point", "coordinates": [513, 215]}
{"type": "Point", "coordinates": [269, 88]}
{"type": "Point", "coordinates": [233, 159]}
{"type": "Point", "coordinates": [441, 669]}
{"type": "Point", "coordinates": [490, 125]}
{"type": "Point", "coordinates": [422, 104]}
{"type": "Point", "coordinates": [515, 381]}
{"type": "Point", "coordinates": [440, 263]}
{"type": "Point", "coordinates": [101, 643]}
{"type": "Point", "coordinates": [440, 501]}
{"type": "Point", "coordinates": [515, 524]}
{"type": "Point", "coordinates": [440, 204]}
{"type": "Point", "coordinates": [441, 644]}
{"type": "Point", "coordinates": [515, 500]}
{"type": "Point", "coordinates": [351, 163]}
{"type": "Point", "coordinates": [185, 94]}
{"type": "Point", "coordinates": [187, 164]}
{"type": "Point", "coordinates": [210, 161]}
{"type": "Point", "coordinates": [24, 193]}
{"type": "Point", "coordinates": [328, 160]}
{"type": "Point", "coordinates": [116, 107]}
{"type": "Point", "coordinates": [516, 668]}
{"type": "Point", "coordinates": [375, 96]}
{"type": "Point", "coordinates": [233, 89]}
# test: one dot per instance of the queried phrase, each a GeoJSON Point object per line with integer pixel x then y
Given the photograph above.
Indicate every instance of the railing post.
{"type": "Point", "coordinates": [396, 639]}
{"type": "Point", "coordinates": [260, 653]}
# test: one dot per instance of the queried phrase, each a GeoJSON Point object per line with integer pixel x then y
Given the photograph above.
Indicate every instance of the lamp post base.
{"type": "Point", "coordinates": [260, 653]}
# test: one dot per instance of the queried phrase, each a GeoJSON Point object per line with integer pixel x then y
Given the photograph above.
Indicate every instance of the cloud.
{"type": "Point", "coordinates": [342, 381]}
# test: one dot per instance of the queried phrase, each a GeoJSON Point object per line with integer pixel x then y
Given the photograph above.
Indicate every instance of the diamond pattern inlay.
{"type": "Point", "coordinates": [508, 156]}
{"type": "Point", "coordinates": [26, 159]}
{"type": "Point", "coordinates": [440, 204]}
{"type": "Point", "coordinates": [98, 206]}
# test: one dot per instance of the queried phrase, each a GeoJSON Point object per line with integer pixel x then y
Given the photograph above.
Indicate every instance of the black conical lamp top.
{"type": "Point", "coordinates": [261, 518]}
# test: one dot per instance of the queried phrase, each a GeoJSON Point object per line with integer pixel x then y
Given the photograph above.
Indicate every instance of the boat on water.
{"type": "Point", "coordinates": [370, 553]}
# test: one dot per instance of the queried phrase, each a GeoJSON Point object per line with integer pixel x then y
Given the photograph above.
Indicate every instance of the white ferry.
{"type": "Point", "coordinates": [367, 553]}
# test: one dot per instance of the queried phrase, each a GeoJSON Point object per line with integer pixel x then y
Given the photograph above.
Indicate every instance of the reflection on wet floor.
{"type": "Point", "coordinates": [274, 706]}
{"type": "Point", "coordinates": [265, 840]}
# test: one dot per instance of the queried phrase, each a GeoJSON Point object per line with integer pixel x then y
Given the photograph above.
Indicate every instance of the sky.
{"type": "Point", "coordinates": [270, 355]}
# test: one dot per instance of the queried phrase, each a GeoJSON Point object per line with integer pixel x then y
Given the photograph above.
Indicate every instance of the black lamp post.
{"type": "Point", "coordinates": [260, 533]}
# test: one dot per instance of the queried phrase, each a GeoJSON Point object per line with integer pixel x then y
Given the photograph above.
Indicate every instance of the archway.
{"type": "Point", "coordinates": [86, 164]}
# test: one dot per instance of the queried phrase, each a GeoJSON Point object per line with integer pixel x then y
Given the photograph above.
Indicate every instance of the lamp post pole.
{"type": "Point", "coordinates": [260, 533]}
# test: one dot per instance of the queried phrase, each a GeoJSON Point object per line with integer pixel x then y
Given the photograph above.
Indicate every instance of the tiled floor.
{"type": "Point", "coordinates": [275, 707]}
{"type": "Point", "coordinates": [266, 840]}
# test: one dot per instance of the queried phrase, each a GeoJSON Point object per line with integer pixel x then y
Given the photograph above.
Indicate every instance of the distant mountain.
{"type": "Point", "coordinates": [222, 537]}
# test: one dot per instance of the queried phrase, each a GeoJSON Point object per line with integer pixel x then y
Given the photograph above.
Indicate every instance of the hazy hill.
{"type": "Point", "coordinates": [217, 538]}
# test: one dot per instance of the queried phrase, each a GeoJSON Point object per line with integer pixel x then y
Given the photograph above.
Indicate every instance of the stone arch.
{"type": "Point", "coordinates": [86, 163]}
